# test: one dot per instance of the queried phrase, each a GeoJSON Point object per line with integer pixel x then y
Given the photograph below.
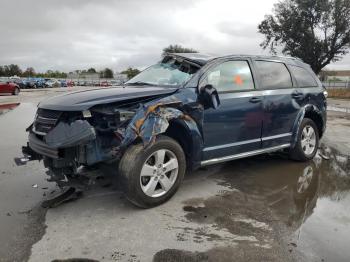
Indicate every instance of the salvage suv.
{"type": "Point", "coordinates": [187, 111]}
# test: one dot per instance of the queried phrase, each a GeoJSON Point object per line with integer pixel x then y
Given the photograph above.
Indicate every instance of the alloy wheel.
{"type": "Point", "coordinates": [159, 173]}
{"type": "Point", "coordinates": [308, 140]}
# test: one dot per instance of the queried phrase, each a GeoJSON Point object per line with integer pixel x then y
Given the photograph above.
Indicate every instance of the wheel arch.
{"type": "Point", "coordinates": [312, 112]}
{"type": "Point", "coordinates": [190, 139]}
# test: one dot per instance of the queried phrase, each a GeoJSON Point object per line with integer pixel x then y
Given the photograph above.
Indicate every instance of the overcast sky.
{"type": "Point", "coordinates": [77, 34]}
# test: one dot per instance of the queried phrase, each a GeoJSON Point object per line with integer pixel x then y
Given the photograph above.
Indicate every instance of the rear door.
{"type": "Point", "coordinates": [281, 102]}
{"type": "Point", "coordinates": [235, 126]}
{"type": "Point", "coordinates": [311, 90]}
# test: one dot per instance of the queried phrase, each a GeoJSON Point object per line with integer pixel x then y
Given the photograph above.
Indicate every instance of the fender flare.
{"type": "Point", "coordinates": [195, 143]}
{"type": "Point", "coordinates": [303, 110]}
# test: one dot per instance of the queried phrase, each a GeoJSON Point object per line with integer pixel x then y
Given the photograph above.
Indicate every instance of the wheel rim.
{"type": "Point", "coordinates": [304, 180]}
{"type": "Point", "coordinates": [16, 91]}
{"type": "Point", "coordinates": [308, 140]}
{"type": "Point", "coordinates": [159, 173]}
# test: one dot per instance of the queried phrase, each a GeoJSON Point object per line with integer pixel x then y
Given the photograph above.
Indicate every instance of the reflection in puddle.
{"type": "Point", "coordinates": [8, 107]}
{"type": "Point", "coordinates": [306, 199]}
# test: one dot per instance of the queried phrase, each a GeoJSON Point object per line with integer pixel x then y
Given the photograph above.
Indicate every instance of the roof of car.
{"type": "Point", "coordinates": [202, 59]}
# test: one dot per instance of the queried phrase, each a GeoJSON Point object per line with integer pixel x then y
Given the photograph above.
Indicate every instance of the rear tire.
{"type": "Point", "coordinates": [150, 177]}
{"type": "Point", "coordinates": [307, 141]}
{"type": "Point", "coordinates": [16, 91]}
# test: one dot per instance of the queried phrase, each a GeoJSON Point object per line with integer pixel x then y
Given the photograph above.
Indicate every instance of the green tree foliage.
{"type": "Point", "coordinates": [178, 49]}
{"type": "Point", "coordinates": [317, 31]}
{"type": "Point", "coordinates": [29, 72]}
{"type": "Point", "coordinates": [131, 72]}
{"type": "Point", "coordinates": [91, 70]}
{"type": "Point", "coordinates": [106, 73]}
{"type": "Point", "coordinates": [10, 70]}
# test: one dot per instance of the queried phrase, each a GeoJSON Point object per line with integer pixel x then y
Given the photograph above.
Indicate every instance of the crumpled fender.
{"type": "Point", "coordinates": [153, 118]}
{"type": "Point", "coordinates": [299, 119]}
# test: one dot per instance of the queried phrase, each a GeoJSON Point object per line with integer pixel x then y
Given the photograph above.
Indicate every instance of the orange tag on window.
{"type": "Point", "coordinates": [238, 80]}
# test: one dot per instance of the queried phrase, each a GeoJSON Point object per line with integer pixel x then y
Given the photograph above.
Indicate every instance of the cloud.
{"type": "Point", "coordinates": [77, 34]}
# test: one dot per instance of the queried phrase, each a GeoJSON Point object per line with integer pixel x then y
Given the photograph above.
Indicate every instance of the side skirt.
{"type": "Point", "coordinates": [243, 155]}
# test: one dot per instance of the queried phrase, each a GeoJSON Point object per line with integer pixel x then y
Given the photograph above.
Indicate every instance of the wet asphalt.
{"type": "Point", "coordinates": [265, 208]}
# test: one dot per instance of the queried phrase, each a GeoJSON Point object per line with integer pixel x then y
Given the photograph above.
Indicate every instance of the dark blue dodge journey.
{"type": "Point", "coordinates": [187, 111]}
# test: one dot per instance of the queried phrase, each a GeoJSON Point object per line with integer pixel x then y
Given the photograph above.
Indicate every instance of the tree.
{"type": "Point", "coordinates": [11, 70]}
{"type": "Point", "coordinates": [131, 72]}
{"type": "Point", "coordinates": [178, 49]}
{"type": "Point", "coordinates": [30, 72]}
{"type": "Point", "coordinates": [317, 31]}
{"type": "Point", "coordinates": [107, 73]}
{"type": "Point", "coordinates": [91, 70]}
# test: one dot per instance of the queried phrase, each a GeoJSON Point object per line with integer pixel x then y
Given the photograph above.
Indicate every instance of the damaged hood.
{"type": "Point", "coordinates": [83, 100]}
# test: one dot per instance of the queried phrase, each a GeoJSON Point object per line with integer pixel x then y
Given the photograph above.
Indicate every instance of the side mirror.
{"type": "Point", "coordinates": [208, 97]}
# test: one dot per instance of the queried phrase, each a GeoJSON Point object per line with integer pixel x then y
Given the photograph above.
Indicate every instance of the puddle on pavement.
{"type": "Point", "coordinates": [267, 197]}
{"type": "Point", "coordinates": [8, 107]}
{"type": "Point", "coordinates": [307, 204]}
{"type": "Point", "coordinates": [338, 109]}
{"type": "Point", "coordinates": [21, 187]}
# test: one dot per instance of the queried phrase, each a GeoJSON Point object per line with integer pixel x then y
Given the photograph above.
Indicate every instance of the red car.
{"type": "Point", "coordinates": [9, 88]}
{"type": "Point", "coordinates": [105, 83]}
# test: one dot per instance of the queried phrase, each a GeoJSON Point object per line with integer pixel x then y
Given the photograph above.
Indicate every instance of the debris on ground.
{"type": "Point", "coordinates": [69, 194]}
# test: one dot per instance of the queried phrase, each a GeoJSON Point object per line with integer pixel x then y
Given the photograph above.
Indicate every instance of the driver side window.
{"type": "Point", "coordinates": [230, 76]}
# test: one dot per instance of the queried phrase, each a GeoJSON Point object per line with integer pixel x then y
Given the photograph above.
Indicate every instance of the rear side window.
{"type": "Point", "coordinates": [230, 76]}
{"type": "Point", "coordinates": [303, 77]}
{"type": "Point", "coordinates": [273, 75]}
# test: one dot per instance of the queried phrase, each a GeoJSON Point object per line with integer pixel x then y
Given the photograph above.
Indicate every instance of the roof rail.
{"type": "Point", "coordinates": [288, 57]}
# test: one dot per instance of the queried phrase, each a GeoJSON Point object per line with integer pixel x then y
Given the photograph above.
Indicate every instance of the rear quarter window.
{"type": "Point", "coordinates": [303, 77]}
{"type": "Point", "coordinates": [273, 75]}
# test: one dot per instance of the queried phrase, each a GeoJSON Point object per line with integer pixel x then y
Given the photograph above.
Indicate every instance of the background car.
{"type": "Point", "coordinates": [105, 83]}
{"type": "Point", "coordinates": [53, 83]}
{"type": "Point", "coordinates": [30, 83]}
{"type": "Point", "coordinates": [63, 83]}
{"type": "Point", "coordinates": [70, 83]}
{"type": "Point", "coordinates": [6, 87]}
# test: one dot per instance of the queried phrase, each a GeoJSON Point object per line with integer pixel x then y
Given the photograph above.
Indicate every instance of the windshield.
{"type": "Point", "coordinates": [172, 73]}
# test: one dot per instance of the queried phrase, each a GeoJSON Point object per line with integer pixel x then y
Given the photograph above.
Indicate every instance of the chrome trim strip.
{"type": "Point", "coordinates": [276, 136]}
{"type": "Point", "coordinates": [245, 142]}
{"type": "Point", "coordinates": [232, 144]}
{"type": "Point", "coordinates": [242, 155]}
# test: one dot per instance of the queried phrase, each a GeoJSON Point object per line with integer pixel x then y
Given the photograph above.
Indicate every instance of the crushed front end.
{"type": "Point", "coordinates": [66, 140]}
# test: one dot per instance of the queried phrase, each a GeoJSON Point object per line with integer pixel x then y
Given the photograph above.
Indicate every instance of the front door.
{"type": "Point", "coordinates": [4, 87]}
{"type": "Point", "coordinates": [235, 126]}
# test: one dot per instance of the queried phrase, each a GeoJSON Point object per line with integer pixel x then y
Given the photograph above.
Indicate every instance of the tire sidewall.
{"type": "Point", "coordinates": [131, 178]}
{"type": "Point", "coordinates": [300, 151]}
{"type": "Point", "coordinates": [16, 91]}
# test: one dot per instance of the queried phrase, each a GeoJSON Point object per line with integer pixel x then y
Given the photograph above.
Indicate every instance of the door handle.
{"type": "Point", "coordinates": [297, 95]}
{"type": "Point", "coordinates": [255, 99]}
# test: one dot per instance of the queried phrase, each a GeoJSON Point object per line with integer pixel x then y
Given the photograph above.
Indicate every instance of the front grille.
{"type": "Point", "coordinates": [45, 120]}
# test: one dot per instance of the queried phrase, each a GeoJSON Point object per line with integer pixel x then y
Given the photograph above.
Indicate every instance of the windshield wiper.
{"type": "Point", "coordinates": [139, 83]}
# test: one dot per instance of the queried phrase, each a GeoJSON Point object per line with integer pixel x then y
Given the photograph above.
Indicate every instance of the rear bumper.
{"type": "Point", "coordinates": [42, 148]}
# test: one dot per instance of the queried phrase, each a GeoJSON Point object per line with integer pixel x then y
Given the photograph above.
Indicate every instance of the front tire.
{"type": "Point", "coordinates": [151, 176]}
{"type": "Point", "coordinates": [307, 141]}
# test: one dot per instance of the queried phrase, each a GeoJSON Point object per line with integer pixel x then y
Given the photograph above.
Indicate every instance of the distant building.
{"type": "Point", "coordinates": [122, 78]}
{"type": "Point", "coordinates": [83, 76]}
{"type": "Point", "coordinates": [335, 75]}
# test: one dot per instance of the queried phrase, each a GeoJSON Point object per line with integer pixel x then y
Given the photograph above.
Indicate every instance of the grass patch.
{"type": "Point", "coordinates": [339, 93]}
